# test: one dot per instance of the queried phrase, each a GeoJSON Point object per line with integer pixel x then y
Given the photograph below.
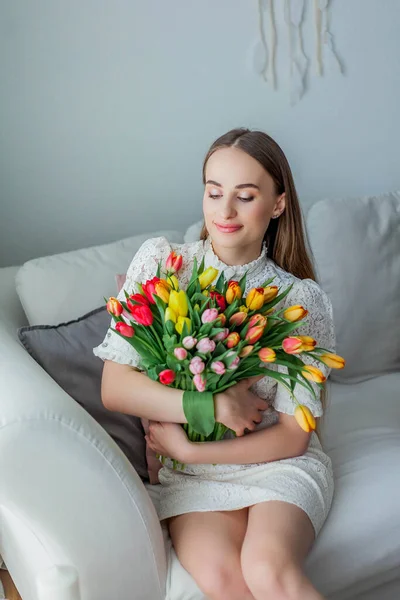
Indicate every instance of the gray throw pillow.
{"type": "Point", "coordinates": [65, 352]}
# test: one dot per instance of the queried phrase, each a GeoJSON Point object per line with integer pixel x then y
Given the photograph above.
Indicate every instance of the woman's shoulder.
{"type": "Point", "coordinates": [303, 290]}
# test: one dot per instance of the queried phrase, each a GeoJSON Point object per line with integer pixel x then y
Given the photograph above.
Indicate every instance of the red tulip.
{"type": "Point", "coordinates": [124, 329]}
{"type": "Point", "coordinates": [220, 300]}
{"type": "Point", "coordinates": [149, 288]}
{"type": "Point", "coordinates": [174, 262]}
{"type": "Point", "coordinates": [167, 376]}
{"type": "Point", "coordinates": [135, 300]}
{"type": "Point", "coordinates": [142, 315]}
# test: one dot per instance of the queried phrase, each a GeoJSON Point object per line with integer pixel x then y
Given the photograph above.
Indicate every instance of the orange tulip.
{"type": "Point", "coordinates": [114, 307]}
{"type": "Point", "coordinates": [257, 319]}
{"type": "Point", "coordinates": [232, 340]}
{"type": "Point", "coordinates": [270, 293]}
{"type": "Point", "coordinates": [222, 319]}
{"type": "Point", "coordinates": [267, 355]}
{"type": "Point", "coordinates": [305, 418]}
{"type": "Point", "coordinates": [295, 313]}
{"type": "Point", "coordinates": [233, 292]}
{"type": "Point", "coordinates": [292, 345]}
{"type": "Point", "coordinates": [238, 319]}
{"type": "Point", "coordinates": [246, 351]}
{"type": "Point", "coordinates": [334, 361]}
{"type": "Point", "coordinates": [255, 298]}
{"type": "Point", "coordinates": [254, 334]}
{"type": "Point", "coordinates": [162, 290]}
{"type": "Point", "coordinates": [313, 374]}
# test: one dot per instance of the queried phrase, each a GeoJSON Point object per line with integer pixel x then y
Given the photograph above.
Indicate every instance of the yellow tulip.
{"type": "Point", "coordinates": [305, 418]}
{"type": "Point", "coordinates": [308, 343]}
{"type": "Point", "coordinates": [334, 361]}
{"type": "Point", "coordinates": [270, 293]}
{"type": "Point", "coordinates": [313, 374]}
{"type": "Point", "coordinates": [207, 277]}
{"type": "Point", "coordinates": [162, 290]}
{"type": "Point", "coordinates": [180, 324]}
{"type": "Point", "coordinates": [179, 303]}
{"type": "Point", "coordinates": [233, 292]}
{"type": "Point", "coordinates": [170, 315]}
{"type": "Point", "coordinates": [244, 309]}
{"type": "Point", "coordinates": [295, 313]}
{"type": "Point", "coordinates": [255, 298]}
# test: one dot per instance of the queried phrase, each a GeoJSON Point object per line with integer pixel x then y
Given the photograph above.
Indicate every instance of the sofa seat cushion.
{"type": "Point", "coordinates": [359, 546]}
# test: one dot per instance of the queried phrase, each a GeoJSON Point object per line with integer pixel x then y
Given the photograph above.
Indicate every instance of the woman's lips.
{"type": "Point", "coordinates": [227, 228]}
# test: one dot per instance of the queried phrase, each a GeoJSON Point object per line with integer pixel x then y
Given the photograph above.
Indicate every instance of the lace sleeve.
{"type": "Point", "coordinates": [319, 325]}
{"type": "Point", "coordinates": [143, 266]}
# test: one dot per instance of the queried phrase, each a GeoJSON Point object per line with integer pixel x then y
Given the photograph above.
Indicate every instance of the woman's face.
{"type": "Point", "coordinates": [239, 201]}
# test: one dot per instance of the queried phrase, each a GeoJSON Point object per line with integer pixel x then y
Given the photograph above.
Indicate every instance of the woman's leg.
{"type": "Point", "coordinates": [278, 538]}
{"type": "Point", "coordinates": [208, 546]}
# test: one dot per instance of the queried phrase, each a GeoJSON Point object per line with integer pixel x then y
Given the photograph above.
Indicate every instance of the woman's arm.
{"type": "Point", "coordinates": [124, 389]}
{"type": "Point", "coordinates": [283, 440]}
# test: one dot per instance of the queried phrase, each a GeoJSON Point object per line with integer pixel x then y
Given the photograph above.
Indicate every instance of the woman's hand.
{"type": "Point", "coordinates": [238, 408]}
{"type": "Point", "coordinates": [168, 439]}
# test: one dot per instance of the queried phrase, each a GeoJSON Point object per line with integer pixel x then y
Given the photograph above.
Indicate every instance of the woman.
{"type": "Point", "coordinates": [245, 511]}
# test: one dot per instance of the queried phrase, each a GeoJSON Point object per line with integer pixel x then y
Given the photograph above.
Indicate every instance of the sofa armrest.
{"type": "Point", "coordinates": [68, 495]}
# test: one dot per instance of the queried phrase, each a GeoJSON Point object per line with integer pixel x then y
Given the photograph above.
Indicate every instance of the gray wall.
{"type": "Point", "coordinates": [107, 109]}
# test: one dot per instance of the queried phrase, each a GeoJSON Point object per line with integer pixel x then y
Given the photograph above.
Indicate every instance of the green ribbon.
{"type": "Point", "coordinates": [199, 411]}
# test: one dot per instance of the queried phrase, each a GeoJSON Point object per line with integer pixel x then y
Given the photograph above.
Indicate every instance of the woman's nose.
{"type": "Point", "coordinates": [228, 210]}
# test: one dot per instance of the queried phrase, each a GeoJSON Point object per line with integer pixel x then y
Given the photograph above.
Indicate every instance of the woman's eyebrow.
{"type": "Point", "coordinates": [238, 187]}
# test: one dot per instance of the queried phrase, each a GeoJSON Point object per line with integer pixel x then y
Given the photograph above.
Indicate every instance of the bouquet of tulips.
{"type": "Point", "coordinates": [209, 336]}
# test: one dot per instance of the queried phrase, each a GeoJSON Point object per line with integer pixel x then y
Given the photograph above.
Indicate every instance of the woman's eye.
{"type": "Point", "coordinates": [247, 199]}
{"type": "Point", "coordinates": [214, 196]}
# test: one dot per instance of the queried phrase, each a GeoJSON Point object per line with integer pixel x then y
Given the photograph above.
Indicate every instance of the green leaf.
{"type": "Point", "coordinates": [266, 283]}
{"type": "Point", "coordinates": [219, 286]}
{"type": "Point", "coordinates": [158, 272]}
{"type": "Point", "coordinates": [201, 267]}
{"type": "Point", "coordinates": [242, 283]}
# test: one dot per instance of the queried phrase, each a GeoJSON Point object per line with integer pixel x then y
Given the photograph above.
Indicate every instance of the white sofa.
{"type": "Point", "coordinates": [69, 496]}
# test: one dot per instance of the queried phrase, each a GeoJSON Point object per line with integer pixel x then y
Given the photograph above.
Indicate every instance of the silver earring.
{"type": "Point", "coordinates": [275, 216]}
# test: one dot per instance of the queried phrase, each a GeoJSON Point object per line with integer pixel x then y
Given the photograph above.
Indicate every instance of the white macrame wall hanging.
{"type": "Point", "coordinates": [264, 50]}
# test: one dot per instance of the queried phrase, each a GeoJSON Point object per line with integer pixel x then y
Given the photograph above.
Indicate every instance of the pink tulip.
{"type": "Point", "coordinates": [189, 342]}
{"type": "Point", "coordinates": [292, 345]}
{"type": "Point", "coordinates": [180, 353]}
{"type": "Point", "coordinates": [206, 345]}
{"type": "Point", "coordinates": [218, 367]}
{"type": "Point", "coordinates": [196, 365]}
{"type": "Point", "coordinates": [222, 335]}
{"type": "Point", "coordinates": [199, 382]}
{"type": "Point", "coordinates": [234, 364]}
{"type": "Point", "coordinates": [209, 315]}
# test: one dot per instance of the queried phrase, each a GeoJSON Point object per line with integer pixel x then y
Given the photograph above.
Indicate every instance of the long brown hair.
{"type": "Point", "coordinates": [285, 237]}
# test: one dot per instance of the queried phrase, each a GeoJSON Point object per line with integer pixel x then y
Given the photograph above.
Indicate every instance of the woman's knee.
{"type": "Point", "coordinates": [271, 577]}
{"type": "Point", "coordinates": [223, 580]}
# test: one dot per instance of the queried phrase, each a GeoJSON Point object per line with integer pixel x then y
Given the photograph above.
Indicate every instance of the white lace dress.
{"type": "Point", "coordinates": [307, 480]}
